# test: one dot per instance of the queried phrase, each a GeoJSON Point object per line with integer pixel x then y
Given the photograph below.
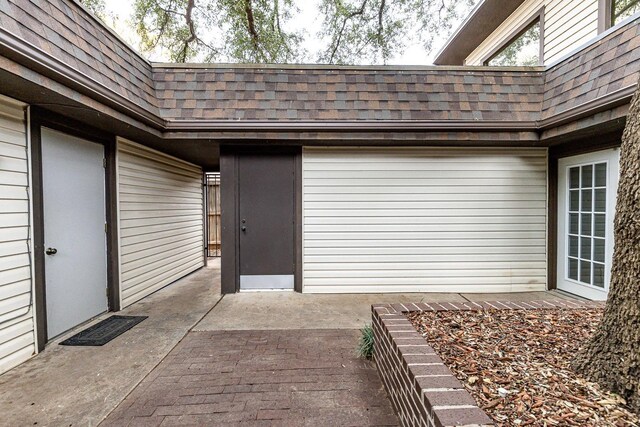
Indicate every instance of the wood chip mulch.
{"type": "Point", "coordinates": [516, 364]}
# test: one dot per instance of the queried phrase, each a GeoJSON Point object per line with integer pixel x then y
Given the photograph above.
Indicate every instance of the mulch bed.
{"type": "Point", "coordinates": [516, 364]}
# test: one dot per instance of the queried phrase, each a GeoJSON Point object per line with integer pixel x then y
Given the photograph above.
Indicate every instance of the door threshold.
{"type": "Point", "coordinates": [265, 290]}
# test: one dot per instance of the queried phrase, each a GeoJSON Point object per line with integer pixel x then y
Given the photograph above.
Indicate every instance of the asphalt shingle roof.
{"type": "Point", "coordinates": [65, 31]}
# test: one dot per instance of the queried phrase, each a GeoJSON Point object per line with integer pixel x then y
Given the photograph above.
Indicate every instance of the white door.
{"type": "Point", "coordinates": [587, 186]}
{"type": "Point", "coordinates": [74, 230]}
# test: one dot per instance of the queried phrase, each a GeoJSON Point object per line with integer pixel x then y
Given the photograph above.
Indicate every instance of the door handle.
{"type": "Point", "coordinates": [51, 251]}
{"type": "Point", "coordinates": [243, 228]}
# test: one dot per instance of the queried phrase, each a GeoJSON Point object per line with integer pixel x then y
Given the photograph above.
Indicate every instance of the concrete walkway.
{"type": "Point", "coordinates": [292, 310]}
{"type": "Point", "coordinates": [71, 386]}
{"type": "Point", "coordinates": [80, 386]}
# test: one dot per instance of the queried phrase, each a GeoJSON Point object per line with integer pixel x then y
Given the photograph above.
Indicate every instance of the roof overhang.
{"type": "Point", "coordinates": [481, 22]}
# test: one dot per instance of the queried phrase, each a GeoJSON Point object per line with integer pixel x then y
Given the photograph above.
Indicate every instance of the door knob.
{"type": "Point", "coordinates": [243, 228]}
{"type": "Point", "coordinates": [51, 251]}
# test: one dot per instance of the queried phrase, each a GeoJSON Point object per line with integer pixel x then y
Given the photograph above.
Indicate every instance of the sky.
{"type": "Point", "coordinates": [308, 20]}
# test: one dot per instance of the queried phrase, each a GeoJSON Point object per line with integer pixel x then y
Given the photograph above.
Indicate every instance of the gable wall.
{"type": "Point", "coordinates": [567, 25]}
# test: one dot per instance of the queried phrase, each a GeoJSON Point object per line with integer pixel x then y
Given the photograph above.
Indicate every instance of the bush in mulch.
{"type": "Point", "coordinates": [516, 364]}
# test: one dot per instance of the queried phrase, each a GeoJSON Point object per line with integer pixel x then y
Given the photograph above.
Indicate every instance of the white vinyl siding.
{"type": "Point", "coordinates": [161, 228]}
{"type": "Point", "coordinates": [567, 25]}
{"type": "Point", "coordinates": [424, 220]}
{"type": "Point", "coordinates": [17, 335]}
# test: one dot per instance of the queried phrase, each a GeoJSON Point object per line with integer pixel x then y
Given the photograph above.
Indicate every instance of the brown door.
{"type": "Point", "coordinates": [266, 221]}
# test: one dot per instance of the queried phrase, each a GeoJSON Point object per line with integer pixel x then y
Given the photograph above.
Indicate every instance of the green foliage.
{"type": "Point", "coordinates": [373, 30]}
{"type": "Point", "coordinates": [260, 31]}
{"type": "Point", "coordinates": [524, 51]}
{"type": "Point", "coordinates": [365, 345]}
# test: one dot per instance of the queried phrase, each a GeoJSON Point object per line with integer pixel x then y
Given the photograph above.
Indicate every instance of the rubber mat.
{"type": "Point", "coordinates": [104, 331]}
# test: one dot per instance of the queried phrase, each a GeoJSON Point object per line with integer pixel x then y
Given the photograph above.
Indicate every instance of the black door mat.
{"type": "Point", "coordinates": [104, 331]}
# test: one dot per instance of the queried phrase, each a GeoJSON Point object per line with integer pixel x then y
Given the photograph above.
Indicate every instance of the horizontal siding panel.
{"type": "Point", "coordinates": [148, 164]}
{"type": "Point", "coordinates": [13, 192]}
{"type": "Point", "coordinates": [11, 150]}
{"type": "Point", "coordinates": [23, 286]}
{"type": "Point", "coordinates": [149, 251]}
{"type": "Point", "coordinates": [406, 236]}
{"type": "Point", "coordinates": [134, 223]}
{"type": "Point", "coordinates": [396, 229]}
{"type": "Point", "coordinates": [16, 274]}
{"type": "Point", "coordinates": [398, 243]}
{"type": "Point", "coordinates": [140, 271]}
{"type": "Point", "coordinates": [154, 239]}
{"type": "Point", "coordinates": [429, 250]}
{"type": "Point", "coordinates": [422, 190]}
{"type": "Point", "coordinates": [142, 265]}
{"type": "Point", "coordinates": [452, 281]}
{"type": "Point", "coordinates": [135, 293]}
{"type": "Point", "coordinates": [412, 273]}
{"type": "Point", "coordinates": [421, 212]}
{"type": "Point", "coordinates": [15, 329]}
{"type": "Point", "coordinates": [336, 261]}
{"type": "Point", "coordinates": [160, 205]}
{"type": "Point", "coordinates": [372, 266]}
{"type": "Point", "coordinates": [14, 206]}
{"type": "Point", "coordinates": [313, 229]}
{"type": "Point", "coordinates": [422, 197]}
{"type": "Point", "coordinates": [178, 224]}
{"type": "Point", "coordinates": [13, 178]}
{"type": "Point", "coordinates": [17, 341]}
{"type": "Point", "coordinates": [14, 261]}
{"type": "Point", "coordinates": [466, 288]}
{"type": "Point", "coordinates": [16, 344]}
{"type": "Point", "coordinates": [405, 207]}
{"type": "Point", "coordinates": [149, 214]}
{"type": "Point", "coordinates": [407, 182]}
{"type": "Point", "coordinates": [13, 165]}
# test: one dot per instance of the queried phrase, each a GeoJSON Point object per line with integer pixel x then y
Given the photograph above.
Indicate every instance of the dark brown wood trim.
{"type": "Point", "coordinates": [555, 153]}
{"type": "Point", "coordinates": [538, 16]}
{"type": "Point", "coordinates": [228, 221]}
{"type": "Point", "coordinates": [349, 125]}
{"type": "Point", "coordinates": [43, 118]}
{"type": "Point", "coordinates": [582, 146]}
{"type": "Point", "coordinates": [38, 230]}
{"type": "Point", "coordinates": [298, 222]}
{"type": "Point", "coordinates": [604, 15]}
{"type": "Point", "coordinates": [552, 222]}
{"type": "Point", "coordinates": [113, 249]}
{"type": "Point", "coordinates": [205, 219]}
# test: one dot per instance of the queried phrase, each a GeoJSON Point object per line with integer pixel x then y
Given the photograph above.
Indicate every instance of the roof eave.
{"type": "Point", "coordinates": [480, 23]}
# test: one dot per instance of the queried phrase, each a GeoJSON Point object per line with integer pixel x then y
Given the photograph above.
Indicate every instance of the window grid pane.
{"type": "Point", "coordinates": [586, 223]}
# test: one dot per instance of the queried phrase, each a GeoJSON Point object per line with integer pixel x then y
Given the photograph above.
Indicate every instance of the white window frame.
{"type": "Point", "coordinates": [611, 158]}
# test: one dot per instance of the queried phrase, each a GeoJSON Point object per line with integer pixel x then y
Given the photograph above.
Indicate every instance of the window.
{"type": "Point", "coordinates": [612, 12]}
{"type": "Point", "coordinates": [622, 9]}
{"type": "Point", "coordinates": [523, 50]}
{"type": "Point", "coordinates": [586, 224]}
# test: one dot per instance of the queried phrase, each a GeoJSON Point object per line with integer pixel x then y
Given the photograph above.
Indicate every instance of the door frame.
{"type": "Point", "coordinates": [608, 156]}
{"type": "Point", "coordinates": [230, 207]}
{"type": "Point", "coordinates": [43, 118]}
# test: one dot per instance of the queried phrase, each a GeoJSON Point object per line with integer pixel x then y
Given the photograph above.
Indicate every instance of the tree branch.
{"type": "Point", "coordinates": [182, 55]}
{"type": "Point", "coordinates": [347, 18]}
{"type": "Point", "coordinates": [380, 24]}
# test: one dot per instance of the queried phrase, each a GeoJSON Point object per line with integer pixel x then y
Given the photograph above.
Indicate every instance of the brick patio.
{"type": "Point", "coordinates": [274, 377]}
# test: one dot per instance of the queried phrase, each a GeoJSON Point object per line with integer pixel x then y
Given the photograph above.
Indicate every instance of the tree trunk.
{"type": "Point", "coordinates": [612, 356]}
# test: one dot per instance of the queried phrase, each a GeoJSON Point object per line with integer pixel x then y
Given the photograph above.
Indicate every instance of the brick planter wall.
{"type": "Point", "coordinates": [421, 387]}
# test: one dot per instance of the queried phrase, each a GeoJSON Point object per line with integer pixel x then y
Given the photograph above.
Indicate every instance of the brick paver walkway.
{"type": "Point", "coordinates": [283, 377]}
